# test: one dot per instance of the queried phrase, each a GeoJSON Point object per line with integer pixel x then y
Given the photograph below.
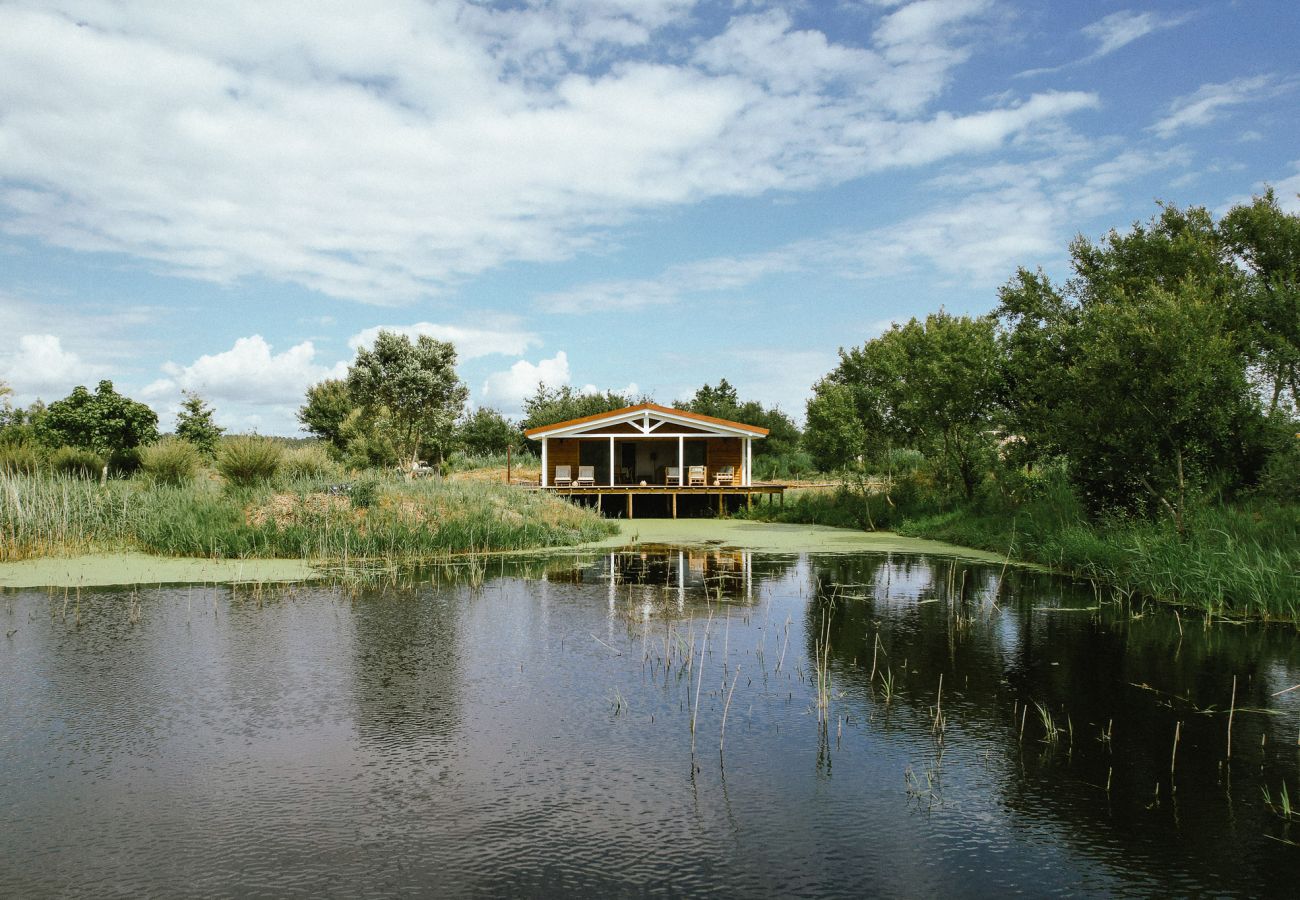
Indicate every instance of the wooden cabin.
{"type": "Point", "coordinates": [648, 445]}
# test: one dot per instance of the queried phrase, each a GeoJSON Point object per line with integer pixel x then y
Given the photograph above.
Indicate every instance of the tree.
{"type": "Point", "coordinates": [1136, 370]}
{"type": "Point", "coordinates": [930, 386]}
{"type": "Point", "coordinates": [194, 424]}
{"type": "Point", "coordinates": [105, 422]}
{"type": "Point", "coordinates": [486, 432]}
{"type": "Point", "coordinates": [328, 406]}
{"type": "Point", "coordinates": [417, 384]}
{"type": "Point", "coordinates": [1267, 241]}
{"type": "Point", "coordinates": [723, 402]}
{"type": "Point", "coordinates": [833, 431]}
{"type": "Point", "coordinates": [550, 405]}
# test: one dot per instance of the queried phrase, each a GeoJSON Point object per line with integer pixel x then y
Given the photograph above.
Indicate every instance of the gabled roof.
{"type": "Point", "coordinates": [641, 410]}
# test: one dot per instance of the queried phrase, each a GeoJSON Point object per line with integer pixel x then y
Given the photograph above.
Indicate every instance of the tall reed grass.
{"type": "Point", "coordinates": [42, 516]}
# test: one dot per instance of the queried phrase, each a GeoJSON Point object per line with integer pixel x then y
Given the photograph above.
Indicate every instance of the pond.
{"type": "Point", "coordinates": [894, 724]}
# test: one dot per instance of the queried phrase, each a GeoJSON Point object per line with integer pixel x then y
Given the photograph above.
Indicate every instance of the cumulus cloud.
{"type": "Point", "coordinates": [471, 343]}
{"type": "Point", "coordinates": [1210, 101]}
{"type": "Point", "coordinates": [249, 373]}
{"type": "Point", "coordinates": [39, 364]}
{"type": "Point", "coordinates": [506, 390]}
{"type": "Point", "coordinates": [382, 153]}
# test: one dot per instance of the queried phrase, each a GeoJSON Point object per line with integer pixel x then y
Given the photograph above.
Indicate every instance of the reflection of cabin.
{"type": "Point", "coordinates": [650, 449]}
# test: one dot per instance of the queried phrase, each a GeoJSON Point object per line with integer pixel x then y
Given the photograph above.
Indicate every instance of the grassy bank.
{"type": "Point", "coordinates": [390, 520]}
{"type": "Point", "coordinates": [1240, 560]}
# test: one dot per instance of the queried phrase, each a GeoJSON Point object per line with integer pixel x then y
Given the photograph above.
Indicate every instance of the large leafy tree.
{"type": "Point", "coordinates": [1267, 241]}
{"type": "Point", "coordinates": [723, 402]}
{"type": "Point", "coordinates": [104, 422]}
{"type": "Point", "coordinates": [549, 405]}
{"type": "Point", "coordinates": [486, 431]}
{"type": "Point", "coordinates": [1135, 370]}
{"type": "Point", "coordinates": [328, 406]}
{"type": "Point", "coordinates": [194, 424]}
{"type": "Point", "coordinates": [416, 383]}
{"type": "Point", "coordinates": [928, 385]}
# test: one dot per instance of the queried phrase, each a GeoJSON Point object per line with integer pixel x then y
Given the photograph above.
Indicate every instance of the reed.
{"type": "Point", "coordinates": [407, 522]}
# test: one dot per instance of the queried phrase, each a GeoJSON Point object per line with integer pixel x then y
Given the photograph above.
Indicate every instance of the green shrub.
{"type": "Point", "coordinates": [170, 461]}
{"type": "Point", "coordinates": [19, 459]}
{"type": "Point", "coordinates": [76, 463]}
{"type": "Point", "coordinates": [249, 459]}
{"type": "Point", "coordinates": [311, 461]}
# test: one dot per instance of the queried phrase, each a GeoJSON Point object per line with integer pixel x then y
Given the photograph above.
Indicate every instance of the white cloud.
{"type": "Point", "coordinates": [1210, 101]}
{"type": "Point", "coordinates": [250, 373]}
{"type": "Point", "coordinates": [1122, 28]}
{"type": "Point", "coordinates": [507, 390]}
{"type": "Point", "coordinates": [385, 152]}
{"type": "Point", "coordinates": [471, 343]}
{"type": "Point", "coordinates": [39, 365]}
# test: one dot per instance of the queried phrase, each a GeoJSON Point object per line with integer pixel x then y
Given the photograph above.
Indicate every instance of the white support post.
{"type": "Point", "coordinates": [611, 460]}
{"type": "Point", "coordinates": [681, 461]}
{"type": "Point", "coordinates": [545, 475]}
{"type": "Point", "coordinates": [749, 461]}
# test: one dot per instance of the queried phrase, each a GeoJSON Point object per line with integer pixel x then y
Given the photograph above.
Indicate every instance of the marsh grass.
{"type": "Point", "coordinates": [405, 522]}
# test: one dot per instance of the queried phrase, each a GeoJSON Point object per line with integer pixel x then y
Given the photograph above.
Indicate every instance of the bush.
{"type": "Point", "coordinates": [249, 459]}
{"type": "Point", "coordinates": [311, 461]}
{"type": "Point", "coordinates": [170, 461]}
{"type": "Point", "coordinates": [19, 459]}
{"type": "Point", "coordinates": [75, 462]}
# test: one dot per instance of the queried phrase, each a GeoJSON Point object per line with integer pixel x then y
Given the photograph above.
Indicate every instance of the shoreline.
{"type": "Point", "coordinates": [134, 568]}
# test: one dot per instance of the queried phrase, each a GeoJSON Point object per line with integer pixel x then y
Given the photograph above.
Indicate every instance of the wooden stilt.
{"type": "Point", "coordinates": [629, 504]}
{"type": "Point", "coordinates": [674, 506]}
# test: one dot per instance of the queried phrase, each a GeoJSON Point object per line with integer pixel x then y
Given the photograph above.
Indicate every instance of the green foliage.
{"type": "Point", "coordinates": [930, 386]}
{"type": "Point", "coordinates": [1136, 372]}
{"type": "Point", "coordinates": [1280, 475]}
{"type": "Point", "coordinates": [1267, 241]}
{"type": "Point", "coordinates": [834, 435]}
{"type": "Point", "coordinates": [249, 460]}
{"type": "Point", "coordinates": [104, 422]}
{"type": "Point", "coordinates": [194, 424]}
{"type": "Point", "coordinates": [368, 435]}
{"type": "Point", "coordinates": [172, 460]}
{"type": "Point", "coordinates": [722, 402]}
{"type": "Point", "coordinates": [416, 383]}
{"type": "Point", "coordinates": [310, 462]}
{"type": "Point", "coordinates": [74, 462]}
{"type": "Point", "coordinates": [486, 432]}
{"type": "Point", "coordinates": [550, 405]}
{"type": "Point", "coordinates": [20, 458]}
{"type": "Point", "coordinates": [398, 522]}
{"type": "Point", "coordinates": [328, 406]}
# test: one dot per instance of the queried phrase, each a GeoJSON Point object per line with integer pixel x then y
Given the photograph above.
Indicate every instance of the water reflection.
{"type": "Point", "coordinates": [894, 724]}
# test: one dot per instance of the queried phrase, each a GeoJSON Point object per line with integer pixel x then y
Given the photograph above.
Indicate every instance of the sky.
{"type": "Point", "coordinates": [631, 195]}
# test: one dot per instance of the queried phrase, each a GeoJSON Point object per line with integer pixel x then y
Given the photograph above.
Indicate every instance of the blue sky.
{"type": "Point", "coordinates": [640, 195]}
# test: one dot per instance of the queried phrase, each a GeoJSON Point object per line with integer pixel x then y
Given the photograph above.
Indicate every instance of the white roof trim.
{"type": "Point", "coordinates": [646, 422]}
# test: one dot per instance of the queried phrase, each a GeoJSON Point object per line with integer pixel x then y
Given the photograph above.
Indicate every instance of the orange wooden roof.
{"type": "Point", "coordinates": [651, 407]}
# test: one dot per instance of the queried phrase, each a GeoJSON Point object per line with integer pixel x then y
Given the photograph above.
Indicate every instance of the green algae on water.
{"type": "Point", "coordinates": [103, 569]}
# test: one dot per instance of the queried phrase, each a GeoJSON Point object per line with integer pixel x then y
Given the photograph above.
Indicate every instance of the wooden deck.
{"type": "Point", "coordinates": [628, 492]}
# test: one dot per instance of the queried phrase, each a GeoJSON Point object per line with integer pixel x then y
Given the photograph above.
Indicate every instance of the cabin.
{"type": "Point", "coordinates": [651, 450]}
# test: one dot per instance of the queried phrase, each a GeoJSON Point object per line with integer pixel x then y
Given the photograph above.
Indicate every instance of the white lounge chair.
{"type": "Point", "coordinates": [697, 475]}
{"type": "Point", "coordinates": [725, 475]}
{"type": "Point", "coordinates": [673, 475]}
{"type": "Point", "coordinates": [563, 476]}
{"type": "Point", "coordinates": [586, 476]}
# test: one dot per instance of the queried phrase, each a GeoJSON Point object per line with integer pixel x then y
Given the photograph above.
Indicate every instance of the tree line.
{"type": "Point", "coordinates": [1166, 366]}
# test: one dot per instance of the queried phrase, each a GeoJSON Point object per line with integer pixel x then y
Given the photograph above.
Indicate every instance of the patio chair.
{"type": "Point", "coordinates": [586, 476]}
{"type": "Point", "coordinates": [725, 475]}
{"type": "Point", "coordinates": [697, 475]}
{"type": "Point", "coordinates": [673, 475]}
{"type": "Point", "coordinates": [563, 476]}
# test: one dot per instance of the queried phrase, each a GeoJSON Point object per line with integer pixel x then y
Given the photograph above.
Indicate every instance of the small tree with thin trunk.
{"type": "Point", "coordinates": [418, 386]}
{"type": "Point", "coordinates": [195, 426]}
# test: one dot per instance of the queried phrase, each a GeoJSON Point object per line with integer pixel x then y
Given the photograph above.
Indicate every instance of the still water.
{"type": "Point", "coordinates": [895, 725]}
